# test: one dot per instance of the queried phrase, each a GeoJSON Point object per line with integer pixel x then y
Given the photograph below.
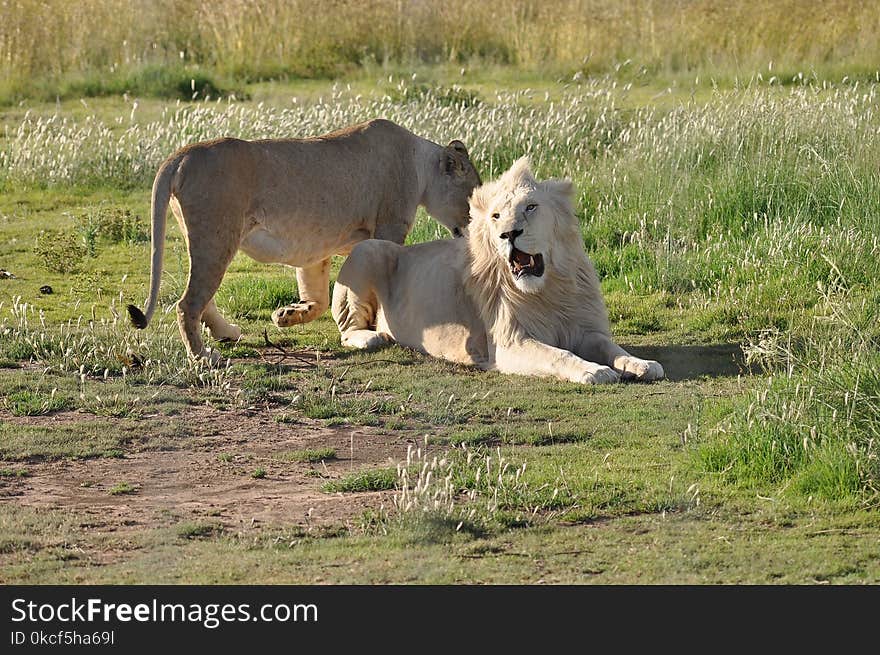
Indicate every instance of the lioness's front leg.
{"type": "Point", "coordinates": [395, 232]}
{"type": "Point", "coordinates": [314, 296]}
{"type": "Point", "coordinates": [531, 357]}
{"type": "Point", "coordinates": [599, 347]}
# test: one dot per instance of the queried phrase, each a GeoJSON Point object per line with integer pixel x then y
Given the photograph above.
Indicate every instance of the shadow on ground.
{"type": "Point", "coordinates": [690, 362]}
{"type": "Point", "coordinates": [680, 362]}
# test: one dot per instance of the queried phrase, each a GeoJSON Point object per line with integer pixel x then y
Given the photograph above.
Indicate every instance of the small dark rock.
{"type": "Point", "coordinates": [6, 275]}
{"type": "Point", "coordinates": [46, 289]}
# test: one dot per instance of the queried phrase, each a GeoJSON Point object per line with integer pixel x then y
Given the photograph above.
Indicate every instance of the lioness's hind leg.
{"type": "Point", "coordinates": [314, 295]}
{"type": "Point", "coordinates": [205, 275]}
{"type": "Point", "coordinates": [598, 347]}
{"type": "Point", "coordinates": [220, 328]}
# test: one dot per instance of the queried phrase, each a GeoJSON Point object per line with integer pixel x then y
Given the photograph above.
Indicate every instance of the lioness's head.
{"type": "Point", "coordinates": [447, 192]}
{"type": "Point", "coordinates": [528, 226]}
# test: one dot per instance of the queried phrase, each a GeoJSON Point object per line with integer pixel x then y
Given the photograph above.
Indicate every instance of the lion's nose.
{"type": "Point", "coordinates": [512, 235]}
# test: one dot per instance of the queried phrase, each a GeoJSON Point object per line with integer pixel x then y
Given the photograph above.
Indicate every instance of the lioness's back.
{"type": "Point", "coordinates": [375, 150]}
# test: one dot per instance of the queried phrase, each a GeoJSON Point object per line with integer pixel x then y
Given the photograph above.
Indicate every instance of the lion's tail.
{"type": "Point", "coordinates": [161, 196]}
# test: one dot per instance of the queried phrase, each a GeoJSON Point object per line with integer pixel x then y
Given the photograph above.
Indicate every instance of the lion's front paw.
{"type": "Point", "coordinates": [296, 314]}
{"type": "Point", "coordinates": [363, 340]}
{"type": "Point", "coordinates": [601, 375]}
{"type": "Point", "coordinates": [633, 368]}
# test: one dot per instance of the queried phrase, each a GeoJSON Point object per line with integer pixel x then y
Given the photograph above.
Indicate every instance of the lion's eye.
{"type": "Point", "coordinates": [531, 208]}
{"type": "Point", "coordinates": [496, 216]}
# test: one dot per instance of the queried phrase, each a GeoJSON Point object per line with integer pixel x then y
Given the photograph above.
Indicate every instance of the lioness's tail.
{"type": "Point", "coordinates": [161, 196]}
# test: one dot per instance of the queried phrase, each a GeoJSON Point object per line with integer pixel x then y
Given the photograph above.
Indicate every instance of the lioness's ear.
{"type": "Point", "coordinates": [452, 163]}
{"type": "Point", "coordinates": [458, 146]}
{"type": "Point", "coordinates": [564, 188]}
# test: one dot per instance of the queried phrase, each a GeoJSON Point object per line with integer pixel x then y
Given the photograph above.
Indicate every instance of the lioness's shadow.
{"type": "Point", "coordinates": [682, 362]}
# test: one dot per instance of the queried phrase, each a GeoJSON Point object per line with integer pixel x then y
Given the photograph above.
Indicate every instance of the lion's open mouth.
{"type": "Point", "coordinates": [523, 263]}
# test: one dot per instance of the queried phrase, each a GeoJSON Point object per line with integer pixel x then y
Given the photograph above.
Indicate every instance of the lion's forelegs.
{"type": "Point", "coordinates": [600, 348]}
{"type": "Point", "coordinates": [314, 296]}
{"type": "Point", "coordinates": [355, 302]}
{"type": "Point", "coordinates": [355, 316]}
{"type": "Point", "coordinates": [531, 357]}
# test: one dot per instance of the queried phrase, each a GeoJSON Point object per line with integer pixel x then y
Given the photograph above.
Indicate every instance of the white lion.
{"type": "Point", "coordinates": [296, 202]}
{"type": "Point", "coordinates": [518, 295]}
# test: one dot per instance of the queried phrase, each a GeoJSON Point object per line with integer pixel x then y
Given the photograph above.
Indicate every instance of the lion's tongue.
{"type": "Point", "coordinates": [522, 259]}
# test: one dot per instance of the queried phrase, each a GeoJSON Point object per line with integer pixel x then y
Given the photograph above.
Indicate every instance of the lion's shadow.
{"type": "Point", "coordinates": [680, 362]}
{"type": "Point", "coordinates": [687, 362]}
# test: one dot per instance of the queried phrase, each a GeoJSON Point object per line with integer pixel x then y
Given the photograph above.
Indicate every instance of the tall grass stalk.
{"type": "Point", "coordinates": [98, 347]}
{"type": "Point", "coordinates": [265, 38]}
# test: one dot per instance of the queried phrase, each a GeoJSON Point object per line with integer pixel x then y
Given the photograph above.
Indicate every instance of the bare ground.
{"type": "Point", "coordinates": [209, 478]}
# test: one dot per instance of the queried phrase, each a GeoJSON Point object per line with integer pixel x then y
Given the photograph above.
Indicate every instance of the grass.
{"type": "Point", "coordinates": [732, 222]}
{"type": "Point", "coordinates": [257, 297]}
{"type": "Point", "coordinates": [13, 473]}
{"type": "Point", "coordinates": [83, 439]}
{"type": "Point", "coordinates": [308, 455]}
{"type": "Point", "coordinates": [370, 480]}
{"type": "Point", "coordinates": [34, 403]}
{"type": "Point", "coordinates": [714, 547]}
{"type": "Point", "coordinates": [194, 51]}
{"type": "Point", "coordinates": [197, 530]}
{"type": "Point", "coordinates": [121, 489]}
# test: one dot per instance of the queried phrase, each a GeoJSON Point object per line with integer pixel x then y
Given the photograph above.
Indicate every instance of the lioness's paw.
{"type": "Point", "coordinates": [211, 357]}
{"type": "Point", "coordinates": [633, 368]}
{"type": "Point", "coordinates": [296, 314]}
{"type": "Point", "coordinates": [229, 332]}
{"type": "Point", "coordinates": [601, 375]}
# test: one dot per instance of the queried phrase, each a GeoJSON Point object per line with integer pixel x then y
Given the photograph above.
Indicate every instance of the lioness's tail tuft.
{"type": "Point", "coordinates": [137, 317]}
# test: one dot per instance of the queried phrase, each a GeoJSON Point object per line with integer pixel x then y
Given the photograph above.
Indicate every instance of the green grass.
{"type": "Point", "coordinates": [308, 455]}
{"type": "Point", "coordinates": [742, 216]}
{"type": "Point", "coordinates": [34, 403]}
{"type": "Point", "coordinates": [342, 411]}
{"type": "Point", "coordinates": [257, 297]}
{"type": "Point", "coordinates": [197, 530]}
{"type": "Point", "coordinates": [215, 51]}
{"type": "Point", "coordinates": [694, 547]}
{"type": "Point", "coordinates": [370, 480]}
{"type": "Point", "coordinates": [82, 439]}
{"type": "Point", "coordinates": [121, 489]}
{"type": "Point", "coordinates": [13, 473]}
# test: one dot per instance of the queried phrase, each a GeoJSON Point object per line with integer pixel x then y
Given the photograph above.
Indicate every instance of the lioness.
{"type": "Point", "coordinates": [296, 202]}
{"type": "Point", "coordinates": [518, 295]}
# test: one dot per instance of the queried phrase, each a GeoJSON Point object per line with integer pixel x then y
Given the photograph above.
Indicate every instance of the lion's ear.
{"type": "Point", "coordinates": [519, 172]}
{"type": "Point", "coordinates": [564, 188]}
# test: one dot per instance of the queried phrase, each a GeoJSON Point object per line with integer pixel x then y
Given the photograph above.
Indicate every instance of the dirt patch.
{"type": "Point", "coordinates": [231, 472]}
